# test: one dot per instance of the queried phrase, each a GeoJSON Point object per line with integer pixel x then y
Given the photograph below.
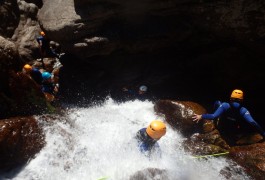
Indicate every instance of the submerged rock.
{"type": "Point", "coordinates": [150, 173]}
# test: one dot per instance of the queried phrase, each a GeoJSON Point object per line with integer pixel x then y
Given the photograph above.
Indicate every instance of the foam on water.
{"type": "Point", "coordinates": [98, 141]}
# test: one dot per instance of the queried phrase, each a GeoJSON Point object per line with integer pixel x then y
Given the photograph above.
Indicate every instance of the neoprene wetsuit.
{"type": "Point", "coordinates": [234, 112]}
{"type": "Point", "coordinates": [36, 75]}
{"type": "Point", "coordinates": [48, 87]}
{"type": "Point", "coordinates": [146, 144]}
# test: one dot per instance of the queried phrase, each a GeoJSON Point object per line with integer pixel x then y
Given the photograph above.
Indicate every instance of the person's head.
{"type": "Point", "coordinates": [42, 33]}
{"type": "Point", "coordinates": [237, 95]}
{"type": "Point", "coordinates": [46, 76]}
{"type": "Point", "coordinates": [156, 129]}
{"type": "Point", "coordinates": [27, 68]}
{"type": "Point", "coordinates": [142, 89]}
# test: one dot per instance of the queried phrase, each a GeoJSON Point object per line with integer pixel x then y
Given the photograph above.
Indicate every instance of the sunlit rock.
{"type": "Point", "coordinates": [27, 31]}
{"type": "Point", "coordinates": [202, 148]}
{"type": "Point", "coordinates": [20, 139]}
{"type": "Point", "coordinates": [179, 114]}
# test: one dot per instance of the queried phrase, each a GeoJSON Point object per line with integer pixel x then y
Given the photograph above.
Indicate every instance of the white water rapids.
{"type": "Point", "coordinates": [96, 142]}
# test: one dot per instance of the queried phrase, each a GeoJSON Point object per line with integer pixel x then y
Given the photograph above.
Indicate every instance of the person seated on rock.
{"type": "Point", "coordinates": [140, 94]}
{"type": "Point", "coordinates": [48, 87]}
{"type": "Point", "coordinates": [147, 138]}
{"type": "Point", "coordinates": [34, 73]}
{"type": "Point", "coordinates": [233, 119]}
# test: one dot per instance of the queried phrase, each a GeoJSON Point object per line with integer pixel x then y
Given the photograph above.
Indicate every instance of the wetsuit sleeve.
{"type": "Point", "coordinates": [132, 92]}
{"type": "Point", "coordinates": [219, 111]}
{"type": "Point", "coordinates": [246, 115]}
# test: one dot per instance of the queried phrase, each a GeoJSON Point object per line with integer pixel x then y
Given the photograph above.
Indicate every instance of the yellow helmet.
{"type": "Point", "coordinates": [27, 68]}
{"type": "Point", "coordinates": [237, 94]}
{"type": "Point", "coordinates": [42, 33]}
{"type": "Point", "coordinates": [156, 129]}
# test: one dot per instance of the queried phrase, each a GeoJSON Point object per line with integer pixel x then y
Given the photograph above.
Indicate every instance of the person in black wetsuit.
{"type": "Point", "coordinates": [234, 120]}
{"type": "Point", "coordinates": [141, 94]}
{"type": "Point", "coordinates": [34, 73]}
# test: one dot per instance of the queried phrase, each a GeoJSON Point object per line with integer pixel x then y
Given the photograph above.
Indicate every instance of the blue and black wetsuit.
{"type": "Point", "coordinates": [234, 118]}
{"type": "Point", "coordinates": [146, 144]}
{"type": "Point", "coordinates": [45, 47]}
{"type": "Point", "coordinates": [36, 75]}
{"type": "Point", "coordinates": [135, 95]}
{"type": "Point", "coordinates": [48, 87]}
{"type": "Point", "coordinates": [45, 43]}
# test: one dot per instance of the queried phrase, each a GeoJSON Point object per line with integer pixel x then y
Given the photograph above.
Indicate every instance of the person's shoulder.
{"type": "Point", "coordinates": [142, 130]}
{"type": "Point", "coordinates": [226, 105]}
{"type": "Point", "coordinates": [36, 70]}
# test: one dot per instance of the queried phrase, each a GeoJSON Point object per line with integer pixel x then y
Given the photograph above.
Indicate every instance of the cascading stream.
{"type": "Point", "coordinates": [98, 141]}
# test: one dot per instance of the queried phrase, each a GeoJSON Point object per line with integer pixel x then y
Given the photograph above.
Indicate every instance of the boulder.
{"type": "Point", "coordinates": [9, 17]}
{"type": "Point", "coordinates": [179, 115]}
{"type": "Point", "coordinates": [28, 96]}
{"type": "Point", "coordinates": [20, 140]}
{"type": "Point", "coordinates": [150, 173]}
{"type": "Point", "coordinates": [251, 157]}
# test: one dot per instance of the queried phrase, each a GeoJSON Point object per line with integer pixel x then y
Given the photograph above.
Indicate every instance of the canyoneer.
{"type": "Point", "coordinates": [48, 87]}
{"type": "Point", "coordinates": [233, 120]}
{"type": "Point", "coordinates": [147, 138]}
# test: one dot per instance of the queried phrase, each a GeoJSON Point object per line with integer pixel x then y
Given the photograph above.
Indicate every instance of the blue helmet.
{"type": "Point", "coordinates": [46, 75]}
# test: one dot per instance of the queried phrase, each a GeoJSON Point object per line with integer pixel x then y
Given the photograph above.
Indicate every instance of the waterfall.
{"type": "Point", "coordinates": [98, 141]}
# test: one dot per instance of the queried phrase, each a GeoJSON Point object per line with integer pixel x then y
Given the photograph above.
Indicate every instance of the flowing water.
{"type": "Point", "coordinates": [98, 141]}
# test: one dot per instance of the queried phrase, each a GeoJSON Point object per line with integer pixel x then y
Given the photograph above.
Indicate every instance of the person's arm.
{"type": "Point", "coordinates": [247, 116]}
{"type": "Point", "coordinates": [39, 40]}
{"type": "Point", "coordinates": [40, 43]}
{"type": "Point", "coordinates": [125, 89]}
{"type": "Point", "coordinates": [219, 111]}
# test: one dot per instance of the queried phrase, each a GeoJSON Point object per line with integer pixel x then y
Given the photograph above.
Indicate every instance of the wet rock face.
{"type": "Point", "coordinates": [9, 61]}
{"type": "Point", "coordinates": [179, 114]}
{"type": "Point", "coordinates": [251, 157]}
{"type": "Point", "coordinates": [27, 95]}
{"type": "Point", "coordinates": [20, 139]}
{"type": "Point", "coordinates": [9, 17]}
{"type": "Point", "coordinates": [138, 26]}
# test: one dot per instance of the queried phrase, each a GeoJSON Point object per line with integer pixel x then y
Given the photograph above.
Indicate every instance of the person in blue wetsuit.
{"type": "Point", "coordinates": [147, 138]}
{"type": "Point", "coordinates": [34, 73]}
{"type": "Point", "coordinates": [233, 118]}
{"type": "Point", "coordinates": [44, 45]}
{"type": "Point", "coordinates": [140, 94]}
{"type": "Point", "coordinates": [48, 87]}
